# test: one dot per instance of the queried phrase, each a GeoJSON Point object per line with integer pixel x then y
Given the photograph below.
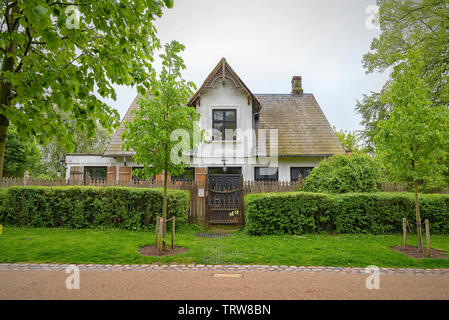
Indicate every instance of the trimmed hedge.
{"type": "Point", "coordinates": [90, 207]}
{"type": "Point", "coordinates": [375, 213]}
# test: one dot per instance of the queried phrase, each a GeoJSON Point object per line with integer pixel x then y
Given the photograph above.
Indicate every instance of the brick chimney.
{"type": "Point", "coordinates": [297, 90]}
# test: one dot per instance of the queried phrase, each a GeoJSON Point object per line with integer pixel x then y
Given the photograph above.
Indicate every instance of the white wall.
{"type": "Point", "coordinates": [236, 152]}
{"type": "Point", "coordinates": [86, 161]}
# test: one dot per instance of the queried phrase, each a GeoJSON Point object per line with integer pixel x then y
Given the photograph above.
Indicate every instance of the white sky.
{"type": "Point", "coordinates": [267, 42]}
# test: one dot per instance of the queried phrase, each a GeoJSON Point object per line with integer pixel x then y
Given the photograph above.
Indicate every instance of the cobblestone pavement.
{"type": "Point", "coordinates": [213, 268]}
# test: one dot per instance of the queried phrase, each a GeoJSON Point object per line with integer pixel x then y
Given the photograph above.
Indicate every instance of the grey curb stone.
{"type": "Point", "coordinates": [215, 268]}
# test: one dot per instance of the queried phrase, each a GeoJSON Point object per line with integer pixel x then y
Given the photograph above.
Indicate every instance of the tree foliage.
{"type": "Point", "coordinates": [20, 156]}
{"type": "Point", "coordinates": [348, 139]}
{"type": "Point", "coordinates": [53, 151]}
{"type": "Point", "coordinates": [56, 55]}
{"type": "Point", "coordinates": [406, 25]}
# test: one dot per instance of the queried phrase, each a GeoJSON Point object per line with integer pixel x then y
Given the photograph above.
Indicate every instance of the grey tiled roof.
{"type": "Point", "coordinates": [303, 129]}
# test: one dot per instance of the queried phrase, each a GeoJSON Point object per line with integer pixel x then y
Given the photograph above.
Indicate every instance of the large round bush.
{"type": "Point", "coordinates": [342, 173]}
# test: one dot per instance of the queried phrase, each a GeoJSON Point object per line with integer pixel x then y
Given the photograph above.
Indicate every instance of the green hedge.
{"type": "Point", "coordinates": [90, 207]}
{"type": "Point", "coordinates": [376, 213]}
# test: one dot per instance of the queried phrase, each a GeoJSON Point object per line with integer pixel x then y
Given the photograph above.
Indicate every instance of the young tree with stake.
{"type": "Point", "coordinates": [163, 128]}
{"type": "Point", "coordinates": [413, 142]}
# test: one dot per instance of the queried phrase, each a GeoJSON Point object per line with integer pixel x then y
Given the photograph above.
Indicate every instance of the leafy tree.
{"type": "Point", "coordinates": [348, 139]}
{"type": "Point", "coordinates": [357, 172]}
{"type": "Point", "coordinates": [420, 25]}
{"type": "Point", "coordinates": [151, 133]}
{"type": "Point", "coordinates": [56, 54]}
{"type": "Point", "coordinates": [19, 155]}
{"type": "Point", "coordinates": [413, 142]}
{"type": "Point", "coordinates": [372, 109]}
{"type": "Point", "coordinates": [54, 151]}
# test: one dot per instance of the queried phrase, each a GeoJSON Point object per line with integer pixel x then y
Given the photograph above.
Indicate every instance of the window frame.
{"type": "Point", "coordinates": [182, 176]}
{"type": "Point", "coordinates": [303, 176]}
{"type": "Point", "coordinates": [256, 174]}
{"type": "Point", "coordinates": [96, 172]}
{"type": "Point", "coordinates": [223, 122]}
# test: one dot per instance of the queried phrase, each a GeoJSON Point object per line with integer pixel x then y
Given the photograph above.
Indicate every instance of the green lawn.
{"type": "Point", "coordinates": [121, 247]}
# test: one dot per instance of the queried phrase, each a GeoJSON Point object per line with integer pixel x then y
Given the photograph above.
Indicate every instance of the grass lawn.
{"type": "Point", "coordinates": [43, 245]}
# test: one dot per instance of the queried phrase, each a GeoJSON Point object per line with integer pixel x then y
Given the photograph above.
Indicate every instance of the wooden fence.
{"type": "Point", "coordinates": [270, 186]}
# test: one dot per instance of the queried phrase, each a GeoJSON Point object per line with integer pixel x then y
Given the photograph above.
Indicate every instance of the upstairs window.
{"type": "Point", "coordinates": [266, 174]}
{"type": "Point", "coordinates": [224, 123]}
{"type": "Point", "coordinates": [303, 171]}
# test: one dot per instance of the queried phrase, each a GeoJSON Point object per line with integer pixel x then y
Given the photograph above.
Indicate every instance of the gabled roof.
{"type": "Point", "coordinates": [114, 147]}
{"type": "Point", "coordinates": [222, 72]}
{"type": "Point", "coordinates": [303, 129]}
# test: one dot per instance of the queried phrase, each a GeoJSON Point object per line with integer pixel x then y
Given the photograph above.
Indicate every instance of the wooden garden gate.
{"type": "Point", "coordinates": [224, 199]}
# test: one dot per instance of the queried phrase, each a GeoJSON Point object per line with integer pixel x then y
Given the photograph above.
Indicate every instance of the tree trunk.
{"type": "Point", "coordinates": [164, 205]}
{"type": "Point", "coordinates": [6, 92]}
{"type": "Point", "coordinates": [418, 217]}
{"type": "Point", "coordinates": [4, 123]}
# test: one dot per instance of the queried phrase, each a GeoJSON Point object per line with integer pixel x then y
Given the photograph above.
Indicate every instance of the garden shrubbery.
{"type": "Point", "coordinates": [376, 213]}
{"type": "Point", "coordinates": [90, 207]}
{"type": "Point", "coordinates": [341, 173]}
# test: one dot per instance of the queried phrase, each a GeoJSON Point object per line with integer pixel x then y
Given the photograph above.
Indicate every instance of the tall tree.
{"type": "Point", "coordinates": [55, 55]}
{"type": "Point", "coordinates": [413, 142]}
{"type": "Point", "coordinates": [348, 139]}
{"type": "Point", "coordinates": [53, 151]}
{"type": "Point", "coordinates": [155, 134]}
{"type": "Point", "coordinates": [420, 25]}
{"type": "Point", "coordinates": [20, 156]}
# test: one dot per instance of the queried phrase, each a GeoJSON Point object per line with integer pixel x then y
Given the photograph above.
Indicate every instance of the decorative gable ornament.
{"type": "Point", "coordinates": [223, 72]}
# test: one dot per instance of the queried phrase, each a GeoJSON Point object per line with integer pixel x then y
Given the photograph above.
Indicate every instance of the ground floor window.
{"type": "Point", "coordinates": [187, 175]}
{"type": "Point", "coordinates": [296, 171]}
{"type": "Point", "coordinates": [222, 170]}
{"type": "Point", "coordinates": [136, 178]}
{"type": "Point", "coordinates": [266, 174]}
{"type": "Point", "coordinates": [95, 172]}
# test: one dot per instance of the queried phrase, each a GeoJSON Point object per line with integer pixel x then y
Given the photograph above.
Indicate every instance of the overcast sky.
{"type": "Point", "coordinates": [267, 42]}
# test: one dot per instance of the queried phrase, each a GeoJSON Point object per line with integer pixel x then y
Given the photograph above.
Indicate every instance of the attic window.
{"type": "Point", "coordinates": [224, 124]}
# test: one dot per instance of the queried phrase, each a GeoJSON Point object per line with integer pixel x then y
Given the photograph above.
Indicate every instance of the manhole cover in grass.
{"type": "Point", "coordinates": [213, 235]}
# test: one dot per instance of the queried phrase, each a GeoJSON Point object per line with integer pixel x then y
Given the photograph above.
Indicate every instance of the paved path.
{"type": "Point", "coordinates": [31, 281]}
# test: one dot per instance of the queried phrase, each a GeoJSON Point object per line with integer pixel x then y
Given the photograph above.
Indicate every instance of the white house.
{"type": "Point", "coordinates": [290, 129]}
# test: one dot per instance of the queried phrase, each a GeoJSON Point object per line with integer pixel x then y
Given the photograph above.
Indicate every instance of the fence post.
{"type": "Point", "coordinates": [156, 243]}
{"type": "Point", "coordinates": [173, 233]}
{"type": "Point", "coordinates": [404, 230]}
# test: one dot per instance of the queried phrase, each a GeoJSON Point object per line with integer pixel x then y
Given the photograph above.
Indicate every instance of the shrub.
{"type": "Point", "coordinates": [375, 213]}
{"type": "Point", "coordinates": [341, 174]}
{"type": "Point", "coordinates": [90, 207]}
{"type": "Point", "coordinates": [290, 213]}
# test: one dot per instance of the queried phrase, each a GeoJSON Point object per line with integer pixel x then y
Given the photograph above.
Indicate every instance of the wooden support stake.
{"type": "Point", "coordinates": [159, 244]}
{"type": "Point", "coordinates": [404, 230]}
{"type": "Point", "coordinates": [426, 222]}
{"type": "Point", "coordinates": [173, 233]}
{"type": "Point", "coordinates": [156, 231]}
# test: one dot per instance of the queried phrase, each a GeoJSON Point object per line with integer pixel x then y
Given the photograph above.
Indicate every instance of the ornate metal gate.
{"type": "Point", "coordinates": [225, 199]}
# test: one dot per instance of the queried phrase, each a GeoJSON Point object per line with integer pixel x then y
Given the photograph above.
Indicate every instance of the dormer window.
{"type": "Point", "coordinates": [224, 123]}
